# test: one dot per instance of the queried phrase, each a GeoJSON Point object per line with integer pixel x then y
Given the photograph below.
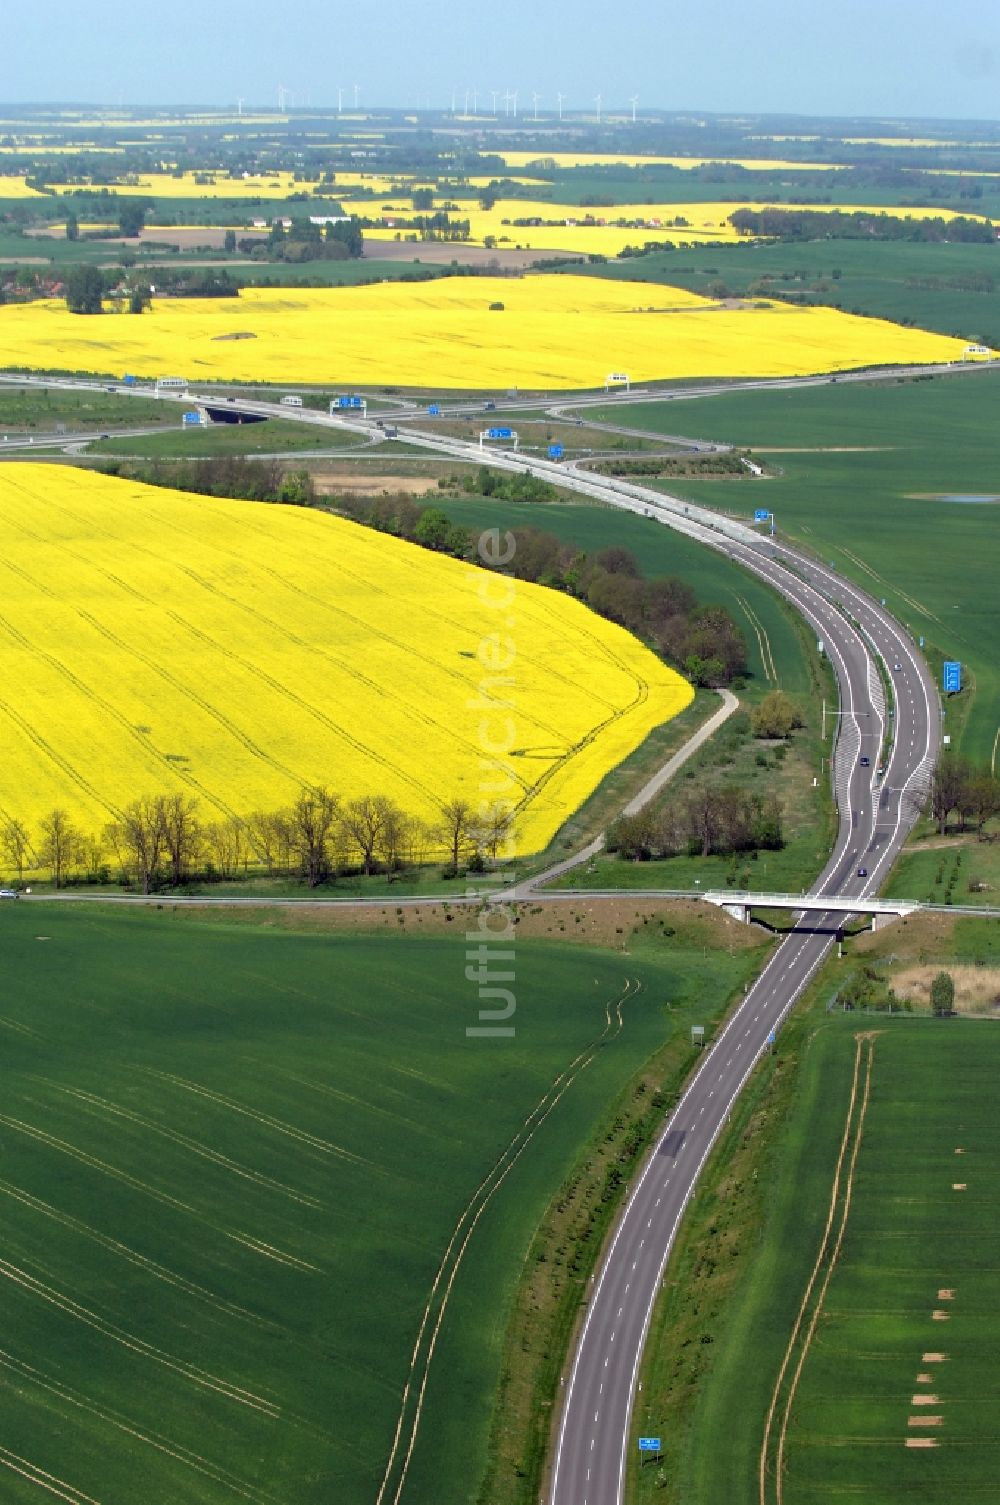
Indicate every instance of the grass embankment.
{"type": "Point", "coordinates": [888, 1244]}
{"type": "Point", "coordinates": [962, 869]}
{"type": "Point", "coordinates": [23, 410]}
{"type": "Point", "coordinates": [866, 473]}
{"type": "Point", "coordinates": [270, 437]}
{"type": "Point", "coordinates": [235, 1153]}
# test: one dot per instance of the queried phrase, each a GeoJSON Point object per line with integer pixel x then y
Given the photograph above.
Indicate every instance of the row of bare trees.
{"type": "Point", "coordinates": [163, 839]}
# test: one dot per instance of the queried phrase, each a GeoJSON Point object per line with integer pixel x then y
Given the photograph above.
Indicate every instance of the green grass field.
{"type": "Point", "coordinates": [269, 437]}
{"type": "Point", "coordinates": [905, 281]}
{"type": "Point", "coordinates": [861, 473]}
{"type": "Point", "coordinates": [29, 409]}
{"type": "Point", "coordinates": [901, 1238]}
{"type": "Point", "coordinates": [233, 1158]}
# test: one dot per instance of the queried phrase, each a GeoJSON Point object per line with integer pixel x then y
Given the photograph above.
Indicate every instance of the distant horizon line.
{"type": "Point", "coordinates": [611, 109]}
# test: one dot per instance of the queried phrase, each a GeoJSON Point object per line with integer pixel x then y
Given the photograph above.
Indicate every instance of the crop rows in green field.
{"type": "Point", "coordinates": [233, 1158]}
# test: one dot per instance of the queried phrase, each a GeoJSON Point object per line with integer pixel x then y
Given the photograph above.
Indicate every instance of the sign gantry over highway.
{"type": "Point", "coordinates": [504, 434]}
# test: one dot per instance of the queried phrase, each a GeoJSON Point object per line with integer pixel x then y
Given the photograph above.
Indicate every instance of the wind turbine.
{"type": "Point", "coordinates": [475, 101]}
{"type": "Point", "coordinates": [453, 101]}
{"type": "Point", "coordinates": [534, 100]}
{"type": "Point", "coordinates": [340, 100]}
{"type": "Point", "coordinates": [597, 101]}
{"type": "Point", "coordinates": [506, 102]}
{"type": "Point", "coordinates": [515, 103]}
{"type": "Point", "coordinates": [495, 93]}
{"type": "Point", "coordinates": [239, 107]}
{"type": "Point", "coordinates": [466, 110]}
{"type": "Point", "coordinates": [559, 102]}
{"type": "Point", "coordinates": [356, 93]}
{"type": "Point", "coordinates": [634, 102]}
{"type": "Point", "coordinates": [282, 92]}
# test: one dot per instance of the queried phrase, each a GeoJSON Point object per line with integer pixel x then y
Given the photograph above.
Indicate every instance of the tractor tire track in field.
{"type": "Point", "coordinates": [132, 1256]}
{"type": "Point", "coordinates": [763, 641]}
{"type": "Point", "coordinates": [107, 707]}
{"type": "Point", "coordinates": [131, 1341]}
{"type": "Point", "coordinates": [401, 645]}
{"type": "Point", "coordinates": [35, 1474]}
{"type": "Point", "coordinates": [772, 1471]}
{"type": "Point", "coordinates": [185, 690]}
{"type": "Point", "coordinates": [102, 1106]}
{"type": "Point", "coordinates": [301, 1136]}
{"type": "Point", "coordinates": [52, 1142]}
{"type": "Point", "coordinates": [186, 693]}
{"type": "Point", "coordinates": [368, 628]}
{"type": "Point", "coordinates": [437, 1302]}
{"type": "Point", "coordinates": [29, 1375]}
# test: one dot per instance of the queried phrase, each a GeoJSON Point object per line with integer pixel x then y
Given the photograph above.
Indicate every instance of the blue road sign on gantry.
{"type": "Point", "coordinates": [499, 433]}
{"type": "Point", "coordinates": [952, 676]}
{"type": "Point", "coordinates": [555, 451]}
{"type": "Point", "coordinates": [434, 410]}
{"type": "Point", "coordinates": [761, 515]}
{"type": "Point", "coordinates": [350, 402]}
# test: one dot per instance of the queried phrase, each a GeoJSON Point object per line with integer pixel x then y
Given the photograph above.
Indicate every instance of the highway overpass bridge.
{"type": "Point", "coordinates": [833, 907]}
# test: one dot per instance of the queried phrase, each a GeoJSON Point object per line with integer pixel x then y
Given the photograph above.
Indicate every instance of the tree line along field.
{"type": "Point", "coordinates": [234, 1156]}
{"type": "Point", "coordinates": [839, 1275]}
{"type": "Point", "coordinates": [863, 477]}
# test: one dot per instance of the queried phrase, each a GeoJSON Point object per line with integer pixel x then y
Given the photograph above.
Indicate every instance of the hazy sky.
{"type": "Point", "coordinates": [844, 57]}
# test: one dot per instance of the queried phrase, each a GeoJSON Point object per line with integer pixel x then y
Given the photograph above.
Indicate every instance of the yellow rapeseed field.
{"type": "Point", "coordinates": [16, 188]}
{"type": "Point", "coordinates": [552, 333]}
{"type": "Point", "coordinates": [154, 641]}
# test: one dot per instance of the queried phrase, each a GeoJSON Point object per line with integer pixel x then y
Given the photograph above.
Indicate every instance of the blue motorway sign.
{"type": "Point", "coordinates": [649, 1445]}
{"type": "Point", "coordinates": [191, 418]}
{"type": "Point", "coordinates": [761, 515]}
{"type": "Point", "coordinates": [499, 433]}
{"type": "Point", "coordinates": [555, 451]}
{"type": "Point", "coordinates": [350, 402]}
{"type": "Point", "coordinates": [435, 410]}
{"type": "Point", "coordinates": [952, 676]}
